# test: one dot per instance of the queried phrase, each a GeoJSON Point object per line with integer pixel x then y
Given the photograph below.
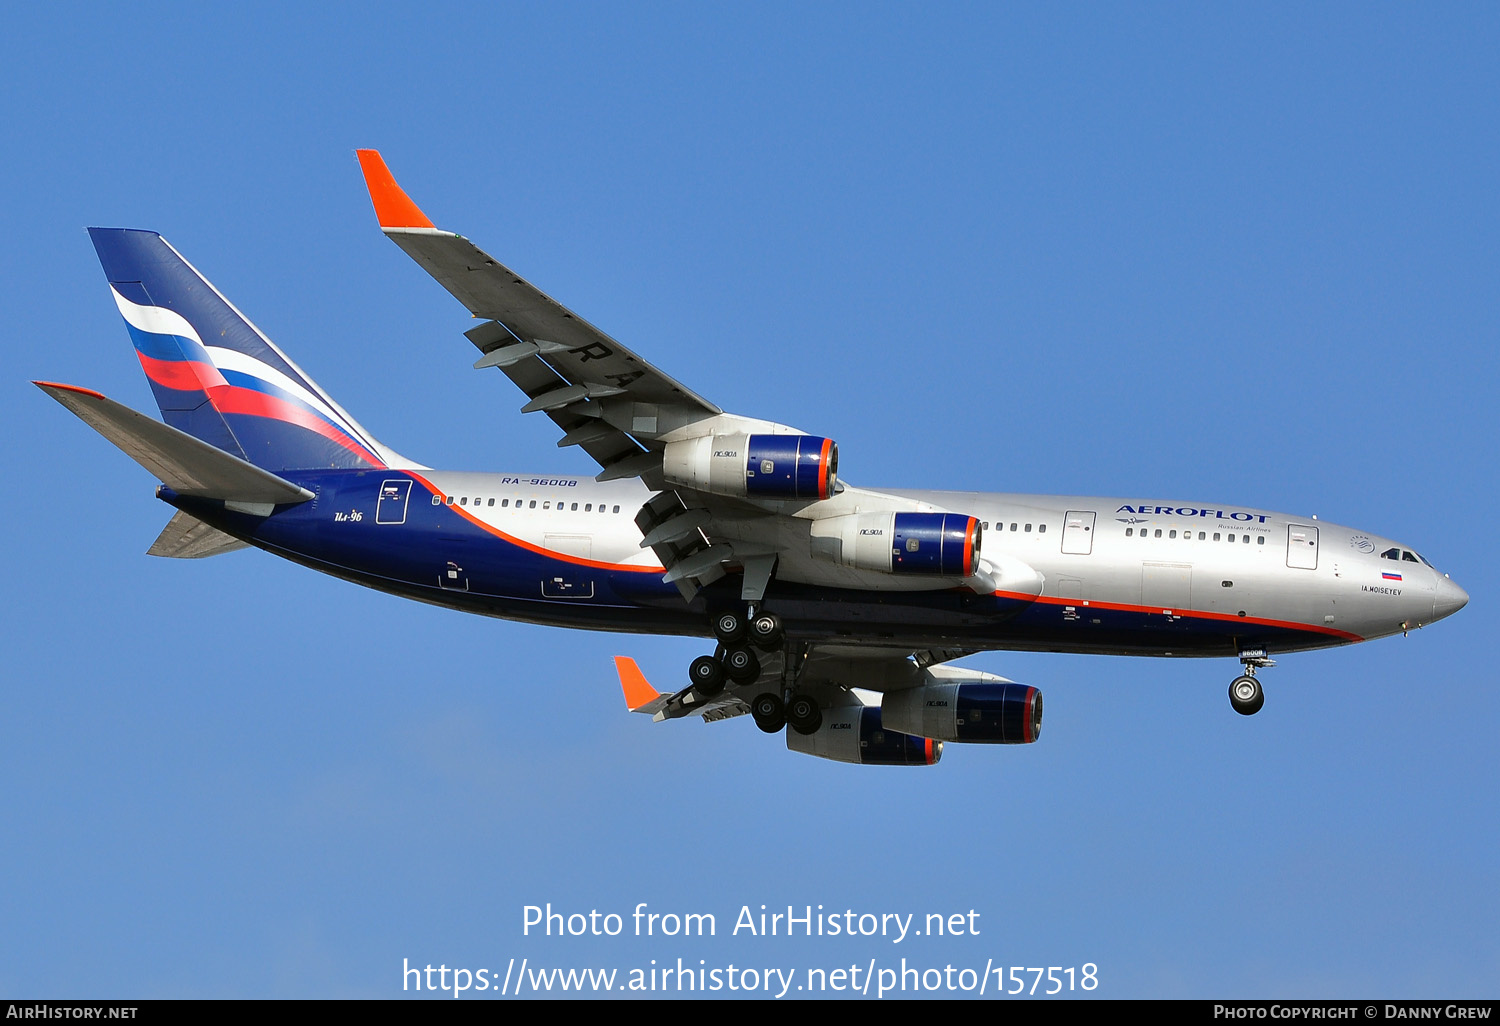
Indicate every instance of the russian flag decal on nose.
{"type": "Point", "coordinates": [1391, 577]}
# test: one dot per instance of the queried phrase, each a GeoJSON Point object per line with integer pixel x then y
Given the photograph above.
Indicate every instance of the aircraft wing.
{"type": "Point", "coordinates": [562, 363]}
{"type": "Point", "coordinates": [625, 413]}
{"type": "Point", "coordinates": [831, 672]}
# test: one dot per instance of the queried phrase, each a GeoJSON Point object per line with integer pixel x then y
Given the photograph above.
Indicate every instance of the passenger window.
{"type": "Point", "coordinates": [449, 500]}
{"type": "Point", "coordinates": [1247, 539]}
{"type": "Point", "coordinates": [504, 503]}
{"type": "Point", "coordinates": [1231, 539]}
{"type": "Point", "coordinates": [1171, 534]}
{"type": "Point", "coordinates": [1202, 535]}
{"type": "Point", "coordinates": [533, 504]}
{"type": "Point", "coordinates": [588, 507]}
{"type": "Point", "coordinates": [617, 509]}
{"type": "Point", "coordinates": [574, 506]}
{"type": "Point", "coordinates": [1041, 528]}
{"type": "Point", "coordinates": [437, 500]}
{"type": "Point", "coordinates": [1129, 532]}
{"type": "Point", "coordinates": [1261, 540]}
{"type": "Point", "coordinates": [1014, 526]}
{"type": "Point", "coordinates": [1158, 532]}
{"type": "Point", "coordinates": [548, 505]}
{"type": "Point", "coordinates": [1216, 536]}
{"type": "Point", "coordinates": [491, 502]}
{"type": "Point", "coordinates": [464, 501]}
{"type": "Point", "coordinates": [1028, 528]}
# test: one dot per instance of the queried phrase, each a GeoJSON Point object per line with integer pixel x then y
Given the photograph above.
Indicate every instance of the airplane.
{"type": "Point", "coordinates": [836, 610]}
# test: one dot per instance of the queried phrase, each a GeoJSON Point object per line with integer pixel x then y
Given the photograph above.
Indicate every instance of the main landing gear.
{"type": "Point", "coordinates": [1245, 693]}
{"type": "Point", "coordinates": [735, 661]}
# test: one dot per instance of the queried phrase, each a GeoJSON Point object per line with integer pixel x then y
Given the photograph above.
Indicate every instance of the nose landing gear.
{"type": "Point", "coordinates": [1245, 693]}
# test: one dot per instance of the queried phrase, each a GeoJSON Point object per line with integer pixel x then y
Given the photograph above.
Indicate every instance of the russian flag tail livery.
{"type": "Point", "coordinates": [215, 376]}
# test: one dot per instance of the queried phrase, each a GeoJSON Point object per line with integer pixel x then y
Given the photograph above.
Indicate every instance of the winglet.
{"type": "Point", "coordinates": [393, 207]}
{"type": "Point", "coordinates": [639, 694]}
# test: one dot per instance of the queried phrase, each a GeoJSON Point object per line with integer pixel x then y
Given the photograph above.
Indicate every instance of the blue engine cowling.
{"type": "Point", "coordinates": [984, 712]}
{"type": "Point", "coordinates": [930, 544]}
{"type": "Point", "coordinates": [768, 466]}
{"type": "Point", "coordinates": [945, 544]}
{"type": "Point", "coordinates": [854, 733]}
{"type": "Point", "coordinates": [790, 466]}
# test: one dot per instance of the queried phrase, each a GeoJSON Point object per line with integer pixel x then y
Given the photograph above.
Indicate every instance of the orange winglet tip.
{"type": "Point", "coordinates": [393, 208]}
{"type": "Point", "coordinates": [68, 388]}
{"type": "Point", "coordinates": [633, 682]}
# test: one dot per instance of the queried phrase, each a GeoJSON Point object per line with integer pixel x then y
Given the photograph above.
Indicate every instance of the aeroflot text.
{"type": "Point", "coordinates": [1193, 511]}
{"type": "Point", "coordinates": [794, 922]}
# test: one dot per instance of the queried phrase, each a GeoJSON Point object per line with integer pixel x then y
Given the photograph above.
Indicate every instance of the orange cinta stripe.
{"type": "Point", "coordinates": [1201, 614]}
{"type": "Point", "coordinates": [393, 207]}
{"type": "Point", "coordinates": [539, 550]}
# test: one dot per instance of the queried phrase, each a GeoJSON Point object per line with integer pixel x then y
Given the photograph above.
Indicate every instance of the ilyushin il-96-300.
{"type": "Point", "coordinates": [834, 611]}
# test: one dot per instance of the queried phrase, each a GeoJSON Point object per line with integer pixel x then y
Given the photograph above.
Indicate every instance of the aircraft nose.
{"type": "Point", "coordinates": [1448, 599]}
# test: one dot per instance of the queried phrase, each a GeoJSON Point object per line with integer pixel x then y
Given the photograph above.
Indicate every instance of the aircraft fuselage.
{"type": "Point", "coordinates": [1117, 575]}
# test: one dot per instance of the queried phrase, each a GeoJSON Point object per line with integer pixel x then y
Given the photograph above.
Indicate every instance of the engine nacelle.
{"type": "Point", "coordinates": [934, 544]}
{"type": "Point", "coordinates": [853, 733]}
{"type": "Point", "coordinates": [987, 712]}
{"type": "Point", "coordinates": [754, 466]}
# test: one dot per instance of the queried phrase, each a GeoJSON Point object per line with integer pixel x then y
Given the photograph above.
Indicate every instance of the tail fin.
{"type": "Point", "coordinates": [215, 376]}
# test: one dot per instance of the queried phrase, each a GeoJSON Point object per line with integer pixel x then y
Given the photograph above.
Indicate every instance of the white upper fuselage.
{"type": "Point", "coordinates": [1164, 557]}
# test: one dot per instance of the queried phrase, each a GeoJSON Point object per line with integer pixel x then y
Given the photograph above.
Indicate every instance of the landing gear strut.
{"type": "Point", "coordinates": [1245, 693]}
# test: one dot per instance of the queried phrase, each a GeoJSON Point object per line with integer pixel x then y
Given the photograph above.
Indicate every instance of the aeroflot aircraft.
{"type": "Point", "coordinates": [836, 609]}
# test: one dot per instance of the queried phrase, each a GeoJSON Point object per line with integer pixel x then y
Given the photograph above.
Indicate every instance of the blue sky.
{"type": "Point", "coordinates": [1222, 253]}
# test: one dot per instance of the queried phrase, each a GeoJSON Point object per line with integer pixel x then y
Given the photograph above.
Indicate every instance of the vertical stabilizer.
{"type": "Point", "coordinates": [214, 375]}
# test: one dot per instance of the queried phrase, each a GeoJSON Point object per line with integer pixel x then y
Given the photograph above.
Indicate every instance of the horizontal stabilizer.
{"type": "Point", "coordinates": [177, 459]}
{"type": "Point", "coordinates": [187, 537]}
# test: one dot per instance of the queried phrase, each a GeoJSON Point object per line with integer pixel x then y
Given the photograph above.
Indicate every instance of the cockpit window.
{"type": "Point", "coordinates": [1425, 560]}
{"type": "Point", "coordinates": [1391, 554]}
{"type": "Point", "coordinates": [1408, 557]}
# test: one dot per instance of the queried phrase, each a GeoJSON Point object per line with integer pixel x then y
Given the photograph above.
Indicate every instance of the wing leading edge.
{"type": "Point", "coordinates": [566, 367]}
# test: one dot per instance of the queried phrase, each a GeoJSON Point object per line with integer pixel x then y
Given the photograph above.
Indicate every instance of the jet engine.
{"type": "Point", "coordinates": [936, 544]}
{"type": "Point", "coordinates": [987, 711]}
{"type": "Point", "coordinates": [754, 466]}
{"type": "Point", "coordinates": [854, 733]}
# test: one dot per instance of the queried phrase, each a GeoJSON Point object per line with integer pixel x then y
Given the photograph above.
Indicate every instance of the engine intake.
{"type": "Point", "coordinates": [988, 712]}
{"type": "Point", "coordinates": [754, 466]}
{"type": "Point", "coordinates": [934, 544]}
{"type": "Point", "coordinates": [854, 733]}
